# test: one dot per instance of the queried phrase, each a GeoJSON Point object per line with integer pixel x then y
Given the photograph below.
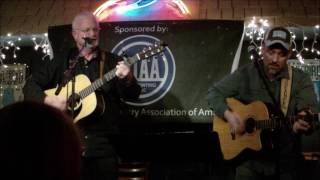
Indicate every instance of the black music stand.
{"type": "Point", "coordinates": [168, 146]}
{"type": "Point", "coordinates": [174, 154]}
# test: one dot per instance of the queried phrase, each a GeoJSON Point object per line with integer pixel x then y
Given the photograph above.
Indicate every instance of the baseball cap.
{"type": "Point", "coordinates": [278, 35]}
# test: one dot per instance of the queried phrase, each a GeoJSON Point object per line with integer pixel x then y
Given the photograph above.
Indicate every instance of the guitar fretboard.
{"type": "Point", "coordinates": [277, 123]}
{"type": "Point", "coordinates": [267, 124]}
{"type": "Point", "coordinates": [97, 83]}
{"type": "Point", "coordinates": [106, 78]}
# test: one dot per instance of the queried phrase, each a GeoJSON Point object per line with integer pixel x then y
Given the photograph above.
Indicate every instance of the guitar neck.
{"type": "Point", "coordinates": [267, 124]}
{"type": "Point", "coordinates": [106, 78]}
{"type": "Point", "coordinates": [273, 123]}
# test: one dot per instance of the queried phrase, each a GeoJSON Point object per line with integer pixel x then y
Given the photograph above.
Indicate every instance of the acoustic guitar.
{"type": "Point", "coordinates": [85, 101]}
{"type": "Point", "coordinates": [257, 117]}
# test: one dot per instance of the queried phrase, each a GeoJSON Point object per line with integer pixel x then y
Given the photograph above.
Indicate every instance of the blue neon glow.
{"type": "Point", "coordinates": [137, 5]}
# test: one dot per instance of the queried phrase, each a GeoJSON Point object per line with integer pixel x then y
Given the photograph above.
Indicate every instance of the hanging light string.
{"type": "Point", "coordinates": [44, 44]}
{"type": "Point", "coordinates": [15, 41]}
{"type": "Point", "coordinates": [255, 32]}
{"type": "Point", "coordinates": [303, 48]}
{"type": "Point", "coordinates": [314, 49]}
{"type": "Point", "coordinates": [2, 54]}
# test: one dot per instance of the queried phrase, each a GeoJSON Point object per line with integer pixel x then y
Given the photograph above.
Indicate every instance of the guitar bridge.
{"type": "Point", "coordinates": [233, 133]}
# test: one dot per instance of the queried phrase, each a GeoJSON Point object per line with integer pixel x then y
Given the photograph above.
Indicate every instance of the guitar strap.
{"type": "Point", "coordinates": [102, 63]}
{"type": "Point", "coordinates": [286, 91]}
{"type": "Point", "coordinates": [100, 100]}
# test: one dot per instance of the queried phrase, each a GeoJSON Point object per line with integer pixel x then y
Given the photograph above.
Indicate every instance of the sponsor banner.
{"type": "Point", "coordinates": [175, 83]}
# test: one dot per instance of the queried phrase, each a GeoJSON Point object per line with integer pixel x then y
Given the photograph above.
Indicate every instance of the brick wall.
{"type": "Point", "coordinates": [34, 16]}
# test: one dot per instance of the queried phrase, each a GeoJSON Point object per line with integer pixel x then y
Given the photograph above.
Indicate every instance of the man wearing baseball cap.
{"type": "Point", "coordinates": [288, 90]}
{"type": "Point", "coordinates": [276, 50]}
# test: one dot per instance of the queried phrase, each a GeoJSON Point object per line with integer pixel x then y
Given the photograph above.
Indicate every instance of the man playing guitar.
{"type": "Point", "coordinates": [272, 81]}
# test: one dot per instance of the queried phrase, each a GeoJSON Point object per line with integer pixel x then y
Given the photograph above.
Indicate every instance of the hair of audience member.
{"type": "Point", "coordinates": [38, 142]}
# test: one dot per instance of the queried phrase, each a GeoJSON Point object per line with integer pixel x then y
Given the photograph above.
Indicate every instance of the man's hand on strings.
{"type": "Point", "coordinates": [301, 126]}
{"type": "Point", "coordinates": [57, 102]}
{"type": "Point", "coordinates": [237, 125]}
{"type": "Point", "coordinates": [122, 70]}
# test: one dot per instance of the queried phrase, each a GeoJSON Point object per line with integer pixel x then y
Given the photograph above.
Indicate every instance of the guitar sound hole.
{"type": "Point", "coordinates": [74, 108]}
{"type": "Point", "coordinates": [76, 104]}
{"type": "Point", "coordinates": [250, 125]}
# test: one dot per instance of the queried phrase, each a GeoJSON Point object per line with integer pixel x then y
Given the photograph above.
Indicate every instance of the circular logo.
{"type": "Point", "coordinates": [155, 74]}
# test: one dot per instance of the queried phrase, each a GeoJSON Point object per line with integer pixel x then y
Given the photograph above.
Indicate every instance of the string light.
{"type": "Point", "coordinates": [255, 31]}
{"type": "Point", "coordinates": [314, 50]}
{"type": "Point", "coordinates": [15, 41]}
{"type": "Point", "coordinates": [303, 49]}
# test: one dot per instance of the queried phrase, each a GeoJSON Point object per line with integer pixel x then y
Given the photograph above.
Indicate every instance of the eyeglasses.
{"type": "Point", "coordinates": [88, 30]}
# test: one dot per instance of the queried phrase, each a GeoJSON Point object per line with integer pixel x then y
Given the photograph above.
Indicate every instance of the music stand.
{"type": "Point", "coordinates": [168, 146]}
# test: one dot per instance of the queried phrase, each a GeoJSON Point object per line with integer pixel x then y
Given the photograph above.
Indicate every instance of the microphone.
{"type": "Point", "coordinates": [253, 52]}
{"type": "Point", "coordinates": [88, 42]}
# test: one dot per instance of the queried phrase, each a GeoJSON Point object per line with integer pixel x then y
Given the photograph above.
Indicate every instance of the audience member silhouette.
{"type": "Point", "coordinates": [38, 142]}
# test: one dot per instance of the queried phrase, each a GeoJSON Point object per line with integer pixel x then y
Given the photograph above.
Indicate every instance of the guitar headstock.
{"type": "Point", "coordinates": [152, 50]}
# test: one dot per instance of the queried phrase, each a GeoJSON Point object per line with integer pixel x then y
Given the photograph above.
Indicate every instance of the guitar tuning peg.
{"type": "Point", "coordinates": [163, 44]}
{"type": "Point", "coordinates": [124, 54]}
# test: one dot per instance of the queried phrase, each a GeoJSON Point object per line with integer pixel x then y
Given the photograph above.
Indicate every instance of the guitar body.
{"type": "Point", "coordinates": [84, 106]}
{"type": "Point", "coordinates": [232, 147]}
